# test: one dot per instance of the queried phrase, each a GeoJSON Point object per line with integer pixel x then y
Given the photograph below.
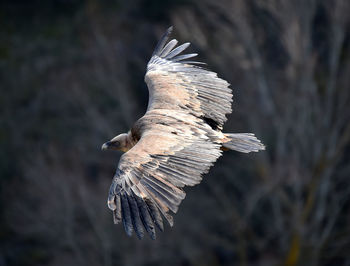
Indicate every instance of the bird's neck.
{"type": "Point", "coordinates": [131, 141]}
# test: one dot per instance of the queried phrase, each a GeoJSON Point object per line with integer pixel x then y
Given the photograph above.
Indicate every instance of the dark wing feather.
{"type": "Point", "coordinates": [146, 217]}
{"type": "Point", "coordinates": [126, 214]}
{"type": "Point", "coordinates": [136, 218]}
{"type": "Point", "coordinates": [162, 41]}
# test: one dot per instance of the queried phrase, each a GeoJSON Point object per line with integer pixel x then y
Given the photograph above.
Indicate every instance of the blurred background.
{"type": "Point", "coordinates": [71, 77]}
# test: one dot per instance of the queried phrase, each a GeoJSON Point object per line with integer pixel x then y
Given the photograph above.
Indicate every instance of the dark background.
{"type": "Point", "coordinates": [71, 76]}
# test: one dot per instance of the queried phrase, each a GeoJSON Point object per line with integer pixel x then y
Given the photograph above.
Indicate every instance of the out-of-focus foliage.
{"type": "Point", "coordinates": [71, 77]}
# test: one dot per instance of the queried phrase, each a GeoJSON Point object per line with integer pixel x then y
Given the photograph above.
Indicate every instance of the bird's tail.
{"type": "Point", "coordinates": [242, 142]}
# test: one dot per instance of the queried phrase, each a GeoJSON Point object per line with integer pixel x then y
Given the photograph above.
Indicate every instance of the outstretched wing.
{"type": "Point", "coordinates": [176, 83]}
{"type": "Point", "coordinates": [177, 142]}
{"type": "Point", "coordinates": [174, 152]}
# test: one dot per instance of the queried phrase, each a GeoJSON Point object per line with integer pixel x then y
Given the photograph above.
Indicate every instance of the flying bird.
{"type": "Point", "coordinates": [176, 141]}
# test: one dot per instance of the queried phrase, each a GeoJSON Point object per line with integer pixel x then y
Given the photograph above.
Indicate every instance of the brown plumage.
{"type": "Point", "coordinates": [177, 140]}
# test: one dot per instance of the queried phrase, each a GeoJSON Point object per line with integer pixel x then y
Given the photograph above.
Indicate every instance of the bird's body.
{"type": "Point", "coordinates": [174, 143]}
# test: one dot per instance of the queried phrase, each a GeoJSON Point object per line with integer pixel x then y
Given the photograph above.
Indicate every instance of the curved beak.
{"type": "Point", "coordinates": [105, 146]}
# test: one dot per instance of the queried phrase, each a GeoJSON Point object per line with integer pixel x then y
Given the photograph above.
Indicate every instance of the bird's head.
{"type": "Point", "coordinates": [118, 143]}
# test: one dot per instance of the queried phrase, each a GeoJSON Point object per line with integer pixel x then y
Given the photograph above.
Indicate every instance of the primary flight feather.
{"type": "Point", "coordinates": [177, 140]}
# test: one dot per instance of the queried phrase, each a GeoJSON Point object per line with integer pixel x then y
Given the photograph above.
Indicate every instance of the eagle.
{"type": "Point", "coordinates": [176, 141]}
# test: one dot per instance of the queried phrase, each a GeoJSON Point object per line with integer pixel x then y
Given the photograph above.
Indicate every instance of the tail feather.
{"type": "Point", "coordinates": [242, 142]}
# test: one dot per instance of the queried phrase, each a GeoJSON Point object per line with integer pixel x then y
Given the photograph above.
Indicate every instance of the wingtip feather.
{"type": "Point", "coordinates": [127, 222]}
{"type": "Point", "coordinates": [162, 41]}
